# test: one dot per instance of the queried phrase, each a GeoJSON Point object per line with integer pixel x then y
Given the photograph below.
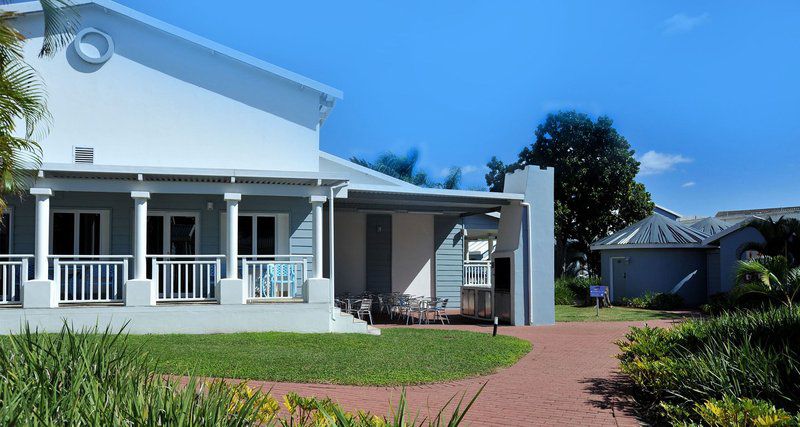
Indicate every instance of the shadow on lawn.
{"type": "Point", "coordinates": [615, 394]}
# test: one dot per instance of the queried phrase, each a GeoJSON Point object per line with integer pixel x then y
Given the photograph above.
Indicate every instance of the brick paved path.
{"type": "Point", "coordinates": [565, 380]}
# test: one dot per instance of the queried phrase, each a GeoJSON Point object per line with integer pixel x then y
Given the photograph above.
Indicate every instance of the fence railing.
{"type": "Point", "coordinates": [478, 273]}
{"type": "Point", "coordinates": [14, 269]}
{"type": "Point", "coordinates": [90, 278]}
{"type": "Point", "coordinates": [274, 276]}
{"type": "Point", "coordinates": [186, 277]}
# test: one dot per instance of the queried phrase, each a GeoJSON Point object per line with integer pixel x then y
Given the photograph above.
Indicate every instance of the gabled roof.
{"type": "Point", "coordinates": [710, 225]}
{"type": "Point", "coordinates": [655, 231]}
{"type": "Point", "coordinates": [35, 6]}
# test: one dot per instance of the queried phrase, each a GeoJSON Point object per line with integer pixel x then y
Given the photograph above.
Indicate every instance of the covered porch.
{"type": "Point", "coordinates": [108, 242]}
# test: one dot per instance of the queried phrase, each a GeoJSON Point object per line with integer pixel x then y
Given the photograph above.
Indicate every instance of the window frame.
{"type": "Point", "coordinates": [105, 227]}
{"type": "Point", "coordinates": [167, 227]}
{"type": "Point", "coordinates": [282, 237]}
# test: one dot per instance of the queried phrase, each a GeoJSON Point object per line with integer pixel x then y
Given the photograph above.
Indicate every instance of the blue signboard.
{"type": "Point", "coordinates": [597, 291]}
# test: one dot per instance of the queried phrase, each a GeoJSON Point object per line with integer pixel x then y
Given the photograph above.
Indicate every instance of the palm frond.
{"type": "Point", "coordinates": [60, 25]}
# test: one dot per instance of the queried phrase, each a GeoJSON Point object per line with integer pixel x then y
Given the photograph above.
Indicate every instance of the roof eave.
{"type": "Point", "coordinates": [651, 246]}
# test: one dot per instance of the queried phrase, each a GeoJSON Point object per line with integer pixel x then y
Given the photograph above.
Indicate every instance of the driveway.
{"type": "Point", "coordinates": [568, 378]}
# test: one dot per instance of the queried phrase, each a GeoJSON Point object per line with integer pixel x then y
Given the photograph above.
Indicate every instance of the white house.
{"type": "Point", "coordinates": [183, 190]}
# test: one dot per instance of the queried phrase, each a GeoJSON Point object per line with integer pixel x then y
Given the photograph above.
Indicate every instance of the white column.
{"type": "Point", "coordinates": [316, 244]}
{"type": "Point", "coordinates": [140, 232]}
{"type": "Point", "coordinates": [42, 248]}
{"type": "Point", "coordinates": [233, 200]}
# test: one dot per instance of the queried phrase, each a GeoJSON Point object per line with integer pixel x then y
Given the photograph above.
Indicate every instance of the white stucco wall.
{"type": "Point", "coordinates": [163, 101]}
{"type": "Point", "coordinates": [412, 254]}
{"type": "Point", "coordinates": [350, 252]}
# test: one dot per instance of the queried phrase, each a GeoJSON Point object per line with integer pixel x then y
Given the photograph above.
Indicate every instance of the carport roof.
{"type": "Point", "coordinates": [655, 231]}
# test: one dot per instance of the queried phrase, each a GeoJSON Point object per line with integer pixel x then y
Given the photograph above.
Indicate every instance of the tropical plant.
{"type": "Point", "coordinates": [405, 168]}
{"type": "Point", "coordinates": [768, 277]}
{"type": "Point", "coordinates": [655, 301]}
{"type": "Point", "coordinates": [781, 238]}
{"type": "Point", "coordinates": [22, 95]}
{"type": "Point", "coordinates": [96, 377]}
{"type": "Point", "coordinates": [737, 355]}
{"type": "Point", "coordinates": [596, 191]}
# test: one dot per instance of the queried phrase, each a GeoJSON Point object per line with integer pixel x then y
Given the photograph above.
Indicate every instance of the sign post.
{"type": "Point", "coordinates": [597, 292]}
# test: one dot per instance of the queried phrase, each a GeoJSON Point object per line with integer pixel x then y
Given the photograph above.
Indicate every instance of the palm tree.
{"type": "Point", "coordinates": [22, 95]}
{"type": "Point", "coordinates": [769, 277]}
{"type": "Point", "coordinates": [781, 237]}
{"type": "Point", "coordinates": [405, 168]}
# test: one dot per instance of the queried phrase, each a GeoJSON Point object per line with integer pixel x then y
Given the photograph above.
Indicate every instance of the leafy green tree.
{"type": "Point", "coordinates": [405, 168]}
{"type": "Point", "coordinates": [22, 95]}
{"type": "Point", "coordinates": [595, 188]}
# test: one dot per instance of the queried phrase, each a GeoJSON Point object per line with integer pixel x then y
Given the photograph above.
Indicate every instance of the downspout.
{"type": "Point", "coordinates": [530, 261]}
{"type": "Point", "coordinates": [331, 246]}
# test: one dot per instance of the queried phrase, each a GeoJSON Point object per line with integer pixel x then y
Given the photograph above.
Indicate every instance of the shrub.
{"type": "Point", "coordinates": [741, 355]}
{"type": "Point", "coordinates": [575, 290]}
{"type": "Point", "coordinates": [563, 294]}
{"type": "Point", "coordinates": [732, 411]}
{"type": "Point", "coordinates": [655, 301]}
{"type": "Point", "coordinates": [91, 378]}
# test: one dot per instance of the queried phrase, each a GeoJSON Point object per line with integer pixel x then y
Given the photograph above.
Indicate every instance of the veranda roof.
{"type": "Point", "coordinates": [655, 231]}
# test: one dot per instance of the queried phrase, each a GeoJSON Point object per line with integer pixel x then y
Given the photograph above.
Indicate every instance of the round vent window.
{"type": "Point", "coordinates": [93, 45]}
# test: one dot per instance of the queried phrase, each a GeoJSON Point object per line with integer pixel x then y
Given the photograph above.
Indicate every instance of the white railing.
{"type": "Point", "coordinates": [90, 278]}
{"type": "Point", "coordinates": [15, 272]}
{"type": "Point", "coordinates": [274, 276]}
{"type": "Point", "coordinates": [186, 277]}
{"type": "Point", "coordinates": [477, 273]}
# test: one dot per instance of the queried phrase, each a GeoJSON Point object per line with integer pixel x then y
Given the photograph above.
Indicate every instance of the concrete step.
{"type": "Point", "coordinates": [347, 323]}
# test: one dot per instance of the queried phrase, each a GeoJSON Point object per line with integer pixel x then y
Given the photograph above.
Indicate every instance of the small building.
{"type": "Point", "coordinates": [661, 255]}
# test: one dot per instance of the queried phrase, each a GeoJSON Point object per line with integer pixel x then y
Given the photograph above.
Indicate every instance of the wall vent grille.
{"type": "Point", "coordinates": [83, 155]}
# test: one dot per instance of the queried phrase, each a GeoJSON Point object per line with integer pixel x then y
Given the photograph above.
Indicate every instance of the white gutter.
{"type": "Point", "coordinates": [331, 262]}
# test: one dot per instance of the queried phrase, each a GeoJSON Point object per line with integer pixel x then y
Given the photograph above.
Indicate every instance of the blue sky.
{"type": "Point", "coordinates": [707, 93]}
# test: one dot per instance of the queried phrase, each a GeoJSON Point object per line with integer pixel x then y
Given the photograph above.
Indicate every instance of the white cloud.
{"type": "Point", "coordinates": [654, 163]}
{"type": "Point", "coordinates": [688, 184]}
{"type": "Point", "coordinates": [680, 23]}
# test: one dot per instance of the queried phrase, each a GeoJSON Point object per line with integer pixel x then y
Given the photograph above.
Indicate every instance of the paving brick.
{"type": "Point", "coordinates": [565, 380]}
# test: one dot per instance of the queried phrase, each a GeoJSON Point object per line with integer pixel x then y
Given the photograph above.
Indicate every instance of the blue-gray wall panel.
{"type": "Point", "coordinates": [449, 245]}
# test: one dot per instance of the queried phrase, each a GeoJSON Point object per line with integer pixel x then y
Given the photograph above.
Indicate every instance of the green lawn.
{"type": "Point", "coordinates": [568, 313]}
{"type": "Point", "coordinates": [397, 356]}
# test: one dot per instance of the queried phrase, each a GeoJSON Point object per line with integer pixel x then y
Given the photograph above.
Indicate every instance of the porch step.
{"type": "Point", "coordinates": [347, 323]}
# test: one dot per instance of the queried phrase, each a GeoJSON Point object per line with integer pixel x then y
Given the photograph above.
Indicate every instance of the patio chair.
{"type": "Point", "coordinates": [414, 306]}
{"type": "Point", "coordinates": [440, 312]}
{"type": "Point", "coordinates": [365, 307]}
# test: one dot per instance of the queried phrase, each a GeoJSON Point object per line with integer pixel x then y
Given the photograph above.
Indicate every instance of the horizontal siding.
{"type": "Point", "coordinates": [449, 246]}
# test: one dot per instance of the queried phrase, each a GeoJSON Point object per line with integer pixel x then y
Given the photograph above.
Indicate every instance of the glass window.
{"type": "Point", "coordinates": [63, 233]}
{"type": "Point", "coordinates": [182, 235]}
{"type": "Point", "coordinates": [155, 235]}
{"type": "Point", "coordinates": [5, 234]}
{"type": "Point", "coordinates": [89, 234]}
{"type": "Point", "coordinates": [245, 235]}
{"type": "Point", "coordinates": [265, 241]}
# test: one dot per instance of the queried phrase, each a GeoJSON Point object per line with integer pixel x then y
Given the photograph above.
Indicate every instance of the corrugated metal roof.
{"type": "Point", "coordinates": [653, 231]}
{"type": "Point", "coordinates": [711, 225]}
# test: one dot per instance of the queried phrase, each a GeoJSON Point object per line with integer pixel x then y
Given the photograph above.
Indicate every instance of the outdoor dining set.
{"type": "Point", "coordinates": [403, 307]}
